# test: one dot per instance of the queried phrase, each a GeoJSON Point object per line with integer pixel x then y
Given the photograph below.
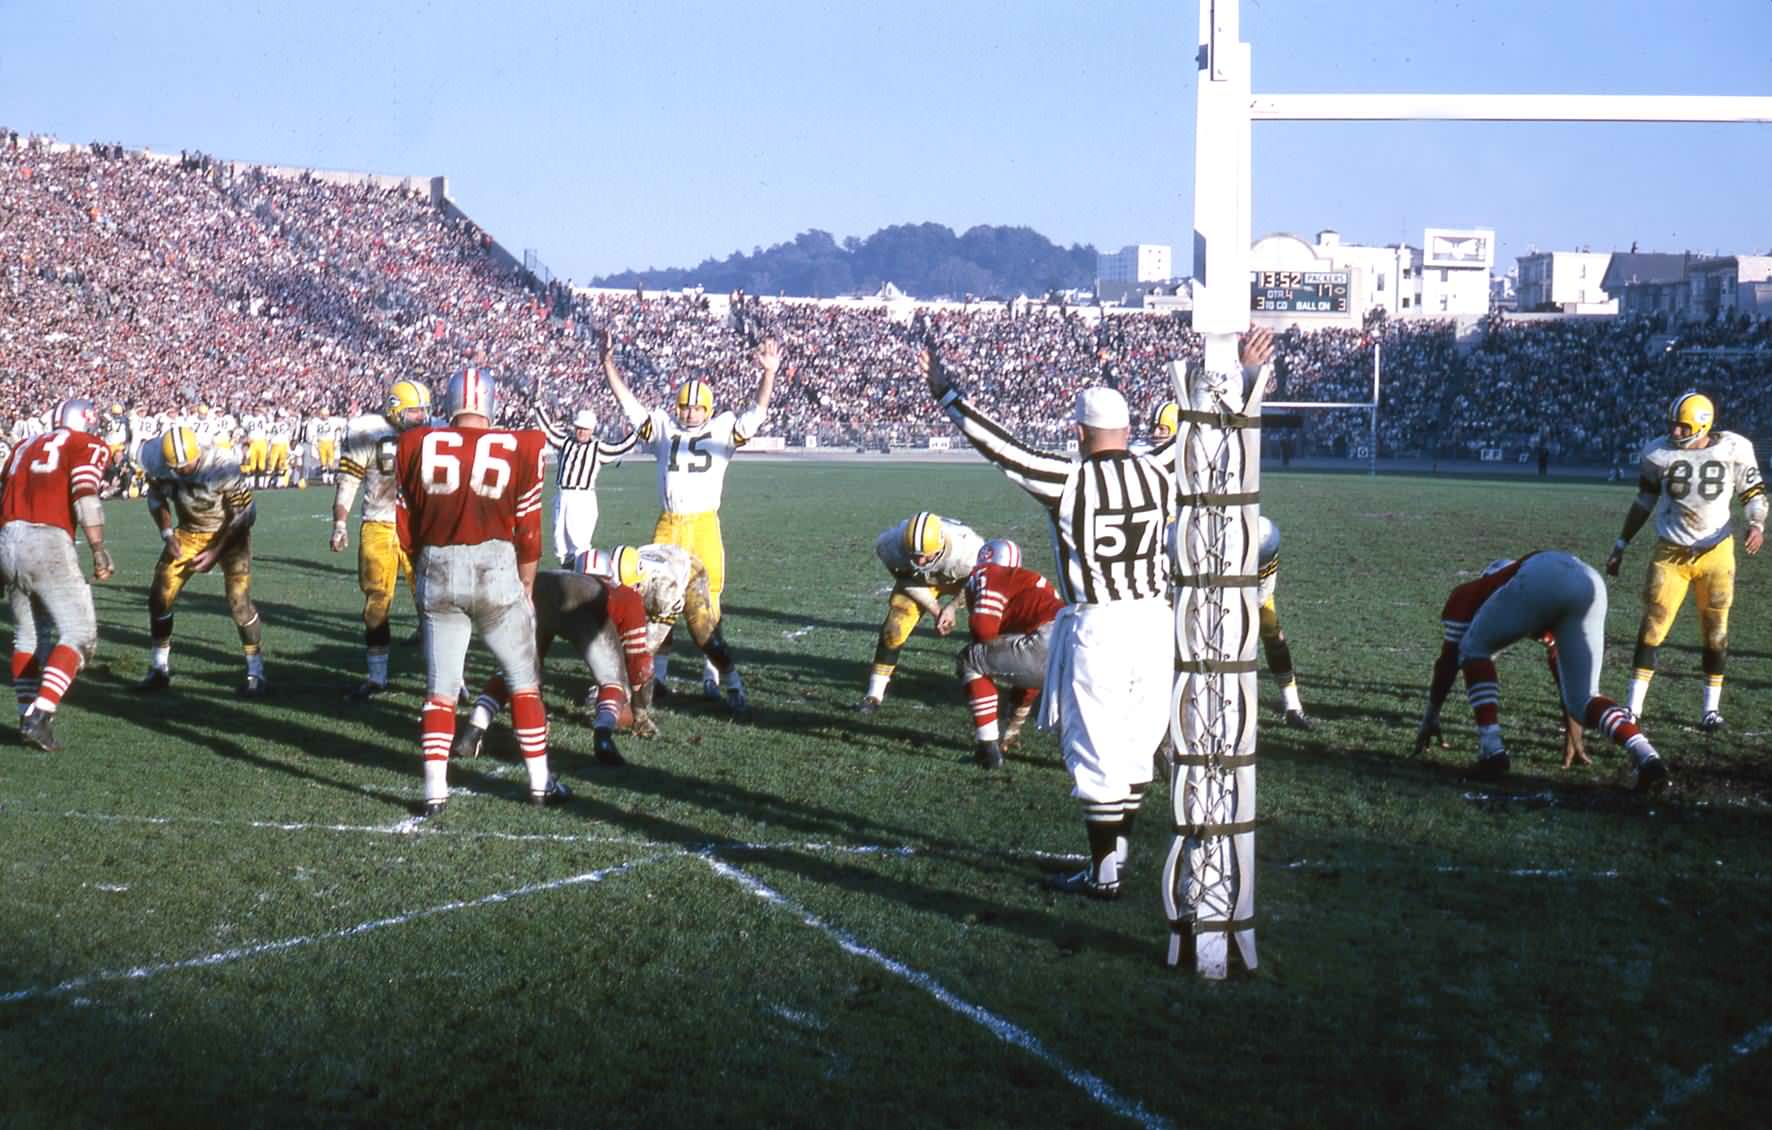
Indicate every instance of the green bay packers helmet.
{"type": "Point", "coordinates": [695, 393]}
{"type": "Point", "coordinates": [403, 397]}
{"type": "Point", "coordinates": [923, 535]}
{"type": "Point", "coordinates": [1694, 410]}
{"type": "Point", "coordinates": [1166, 420]}
{"type": "Point", "coordinates": [180, 449]}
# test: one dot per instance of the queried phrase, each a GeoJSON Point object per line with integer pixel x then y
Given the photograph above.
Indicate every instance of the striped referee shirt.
{"type": "Point", "coordinates": [576, 464]}
{"type": "Point", "coordinates": [1109, 510]}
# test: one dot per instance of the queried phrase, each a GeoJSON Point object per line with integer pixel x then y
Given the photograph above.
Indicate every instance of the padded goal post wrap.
{"type": "Point", "coordinates": [1209, 875]}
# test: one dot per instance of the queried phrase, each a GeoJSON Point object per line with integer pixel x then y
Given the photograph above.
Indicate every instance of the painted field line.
{"type": "Point", "coordinates": [413, 827]}
{"type": "Point", "coordinates": [1700, 1081]}
{"type": "Point", "coordinates": [1091, 1085]}
{"type": "Point", "coordinates": [283, 945]}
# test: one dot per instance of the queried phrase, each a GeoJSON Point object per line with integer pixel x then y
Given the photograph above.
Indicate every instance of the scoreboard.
{"type": "Point", "coordinates": [1300, 292]}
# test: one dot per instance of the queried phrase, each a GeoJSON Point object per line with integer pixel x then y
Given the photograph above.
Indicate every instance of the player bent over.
{"type": "Point", "coordinates": [469, 514]}
{"type": "Point", "coordinates": [368, 462]}
{"type": "Point", "coordinates": [52, 482]}
{"type": "Point", "coordinates": [202, 488]}
{"type": "Point", "coordinates": [930, 559]}
{"type": "Point", "coordinates": [1548, 594]}
{"type": "Point", "coordinates": [1010, 614]}
{"type": "Point", "coordinates": [1273, 637]}
{"type": "Point", "coordinates": [673, 585]}
{"type": "Point", "coordinates": [606, 624]}
{"type": "Point", "coordinates": [1687, 479]}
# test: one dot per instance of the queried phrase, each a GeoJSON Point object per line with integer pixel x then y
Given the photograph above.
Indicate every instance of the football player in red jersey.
{"type": "Point", "coordinates": [1010, 613]}
{"type": "Point", "coordinates": [469, 514]}
{"type": "Point", "coordinates": [606, 625]}
{"type": "Point", "coordinates": [1551, 596]}
{"type": "Point", "coordinates": [52, 482]}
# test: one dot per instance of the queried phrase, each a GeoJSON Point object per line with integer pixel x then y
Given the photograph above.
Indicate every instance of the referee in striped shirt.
{"type": "Point", "coordinates": [1112, 659]}
{"type": "Point", "coordinates": [579, 457]}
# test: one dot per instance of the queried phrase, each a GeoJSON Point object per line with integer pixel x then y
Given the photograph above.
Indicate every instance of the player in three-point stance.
{"type": "Point", "coordinates": [1687, 479]}
{"type": "Point", "coordinates": [51, 484]}
{"type": "Point", "coordinates": [673, 587]}
{"type": "Point", "coordinates": [469, 514]}
{"type": "Point", "coordinates": [368, 464]}
{"type": "Point", "coordinates": [930, 557]}
{"type": "Point", "coordinates": [1550, 596]}
{"type": "Point", "coordinates": [606, 625]}
{"type": "Point", "coordinates": [1273, 638]}
{"type": "Point", "coordinates": [1010, 611]}
{"type": "Point", "coordinates": [693, 448]}
{"type": "Point", "coordinates": [201, 487]}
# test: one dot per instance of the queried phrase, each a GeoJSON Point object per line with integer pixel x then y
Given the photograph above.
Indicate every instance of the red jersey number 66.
{"type": "Point", "coordinates": [489, 473]}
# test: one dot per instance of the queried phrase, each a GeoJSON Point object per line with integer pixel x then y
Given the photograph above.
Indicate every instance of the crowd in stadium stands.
{"type": "Point", "coordinates": [166, 284]}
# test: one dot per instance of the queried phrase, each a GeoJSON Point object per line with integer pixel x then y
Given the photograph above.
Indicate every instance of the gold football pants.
{"type": "Point", "coordinates": [1709, 573]}
{"type": "Point", "coordinates": [700, 535]}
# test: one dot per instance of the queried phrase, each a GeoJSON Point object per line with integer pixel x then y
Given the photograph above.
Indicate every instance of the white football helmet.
{"type": "Point", "coordinates": [1000, 551]}
{"type": "Point", "coordinates": [77, 414]}
{"type": "Point", "coordinates": [471, 391]}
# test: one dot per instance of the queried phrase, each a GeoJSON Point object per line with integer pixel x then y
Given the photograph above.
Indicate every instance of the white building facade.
{"type": "Point", "coordinates": [1571, 281]}
{"type": "Point", "coordinates": [1136, 263]}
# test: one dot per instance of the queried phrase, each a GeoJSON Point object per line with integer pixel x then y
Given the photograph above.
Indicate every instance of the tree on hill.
{"type": "Point", "coordinates": [924, 260]}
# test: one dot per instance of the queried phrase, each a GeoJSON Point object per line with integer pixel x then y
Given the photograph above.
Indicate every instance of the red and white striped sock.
{"type": "Point", "coordinates": [58, 675]}
{"type": "Point", "coordinates": [436, 735]}
{"type": "Point", "coordinates": [530, 719]}
{"type": "Point", "coordinates": [24, 679]}
{"type": "Point", "coordinates": [611, 697]}
{"type": "Point", "coordinates": [981, 695]}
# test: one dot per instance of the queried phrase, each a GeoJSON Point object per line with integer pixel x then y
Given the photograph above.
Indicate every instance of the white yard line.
{"type": "Point", "coordinates": [259, 949]}
{"type": "Point", "coordinates": [1091, 1085]}
{"type": "Point", "coordinates": [1700, 1081]}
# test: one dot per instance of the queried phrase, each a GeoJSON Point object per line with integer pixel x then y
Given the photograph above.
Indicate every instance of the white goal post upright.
{"type": "Point", "coordinates": [1209, 879]}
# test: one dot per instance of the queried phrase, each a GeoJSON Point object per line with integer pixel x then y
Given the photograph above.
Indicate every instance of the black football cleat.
{"type": "Point", "coordinates": [554, 792]}
{"type": "Point", "coordinates": [739, 703]}
{"type": "Point", "coordinates": [255, 686]}
{"type": "Point", "coordinates": [365, 691]}
{"type": "Point", "coordinates": [1651, 776]}
{"type": "Point", "coordinates": [38, 729]}
{"type": "Point", "coordinates": [154, 680]}
{"type": "Point", "coordinates": [868, 705]}
{"type": "Point", "coordinates": [1491, 767]}
{"type": "Point", "coordinates": [1712, 722]}
{"type": "Point", "coordinates": [710, 690]}
{"type": "Point", "coordinates": [433, 808]}
{"type": "Point", "coordinates": [1083, 883]}
{"type": "Point", "coordinates": [603, 746]}
{"type": "Point", "coordinates": [1298, 720]}
{"type": "Point", "coordinates": [987, 754]}
{"type": "Point", "coordinates": [467, 742]}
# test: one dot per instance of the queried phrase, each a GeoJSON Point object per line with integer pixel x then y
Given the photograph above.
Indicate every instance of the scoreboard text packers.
{"type": "Point", "coordinates": [1299, 292]}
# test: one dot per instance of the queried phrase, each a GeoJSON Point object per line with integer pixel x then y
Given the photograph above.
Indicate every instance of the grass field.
{"type": "Point", "coordinates": [218, 913]}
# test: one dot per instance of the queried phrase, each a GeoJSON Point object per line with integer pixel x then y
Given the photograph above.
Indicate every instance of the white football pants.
{"type": "Point", "coordinates": [1553, 592]}
{"type": "Point", "coordinates": [1107, 684]}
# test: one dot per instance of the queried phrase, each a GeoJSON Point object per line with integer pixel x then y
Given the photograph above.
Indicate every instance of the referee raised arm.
{"type": "Point", "coordinates": [579, 457]}
{"type": "Point", "coordinates": [1112, 660]}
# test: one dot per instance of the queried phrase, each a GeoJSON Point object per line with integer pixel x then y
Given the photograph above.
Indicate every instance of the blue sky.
{"type": "Point", "coordinates": [616, 135]}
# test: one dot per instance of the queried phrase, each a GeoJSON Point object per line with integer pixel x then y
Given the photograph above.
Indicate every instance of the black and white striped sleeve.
{"type": "Point", "coordinates": [1040, 473]}
{"type": "Point", "coordinates": [550, 427]}
{"type": "Point", "coordinates": [620, 447]}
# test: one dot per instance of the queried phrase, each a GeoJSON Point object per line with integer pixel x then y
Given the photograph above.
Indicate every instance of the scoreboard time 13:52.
{"type": "Point", "coordinates": [1299, 292]}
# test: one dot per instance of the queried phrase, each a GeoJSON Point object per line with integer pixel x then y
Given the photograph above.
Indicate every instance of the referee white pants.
{"type": "Point", "coordinates": [1107, 688]}
{"type": "Point", "coordinates": [1557, 593]}
{"type": "Point", "coordinates": [575, 520]}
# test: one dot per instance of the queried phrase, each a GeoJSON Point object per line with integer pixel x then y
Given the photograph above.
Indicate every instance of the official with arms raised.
{"type": "Point", "coordinates": [1112, 655]}
{"type": "Point", "coordinates": [579, 457]}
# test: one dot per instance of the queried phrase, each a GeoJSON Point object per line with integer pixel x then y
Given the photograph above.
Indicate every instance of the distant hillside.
{"type": "Point", "coordinates": [923, 260]}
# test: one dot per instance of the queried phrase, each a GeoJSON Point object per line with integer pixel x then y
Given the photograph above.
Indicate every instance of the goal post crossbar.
{"type": "Point", "coordinates": [1511, 108]}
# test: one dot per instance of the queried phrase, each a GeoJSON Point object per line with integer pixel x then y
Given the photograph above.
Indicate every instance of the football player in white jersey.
{"type": "Point", "coordinates": [1687, 480]}
{"type": "Point", "coordinates": [930, 558]}
{"type": "Point", "coordinates": [693, 448]}
{"type": "Point", "coordinates": [368, 462]}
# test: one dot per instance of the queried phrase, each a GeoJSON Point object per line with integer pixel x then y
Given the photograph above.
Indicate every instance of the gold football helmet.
{"type": "Point", "coordinates": [180, 448]}
{"type": "Point", "coordinates": [404, 397]}
{"type": "Point", "coordinates": [694, 394]}
{"type": "Point", "coordinates": [1166, 420]}
{"type": "Point", "coordinates": [1689, 418]}
{"type": "Point", "coordinates": [923, 535]}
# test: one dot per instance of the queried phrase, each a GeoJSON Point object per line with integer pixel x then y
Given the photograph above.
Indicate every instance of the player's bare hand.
{"type": "Point", "coordinates": [340, 537]}
{"type": "Point", "coordinates": [934, 373]}
{"type": "Point", "coordinates": [1257, 347]}
{"type": "Point", "coordinates": [1753, 540]}
{"type": "Point", "coordinates": [944, 623]}
{"type": "Point", "coordinates": [1614, 561]}
{"type": "Point", "coordinates": [103, 568]}
{"type": "Point", "coordinates": [205, 561]}
{"type": "Point", "coordinates": [605, 347]}
{"type": "Point", "coordinates": [644, 726]}
{"type": "Point", "coordinates": [1429, 731]}
{"type": "Point", "coordinates": [1574, 745]}
{"type": "Point", "coordinates": [769, 355]}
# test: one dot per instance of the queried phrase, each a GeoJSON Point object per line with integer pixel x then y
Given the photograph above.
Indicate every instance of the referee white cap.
{"type": "Point", "coordinates": [1104, 408]}
{"type": "Point", "coordinates": [585, 418]}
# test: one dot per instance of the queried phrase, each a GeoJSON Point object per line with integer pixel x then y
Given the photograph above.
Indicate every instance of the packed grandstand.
{"type": "Point", "coordinates": [266, 304]}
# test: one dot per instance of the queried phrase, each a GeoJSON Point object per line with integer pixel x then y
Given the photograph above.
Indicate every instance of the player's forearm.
{"type": "Point", "coordinates": [526, 571]}
{"type": "Point", "coordinates": [1445, 674]}
{"type": "Point", "coordinates": [1633, 521]}
{"type": "Point", "coordinates": [764, 390]}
